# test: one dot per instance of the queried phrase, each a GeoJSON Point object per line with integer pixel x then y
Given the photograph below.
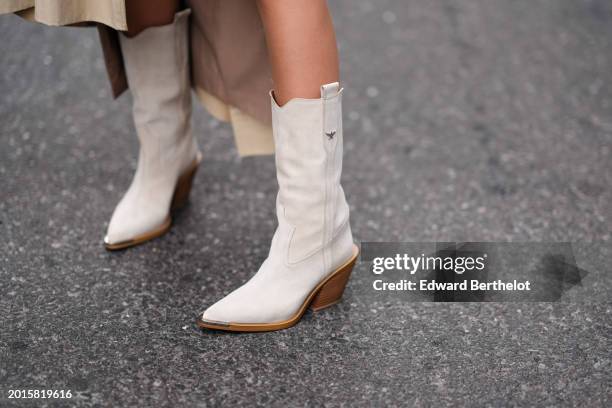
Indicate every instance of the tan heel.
{"type": "Point", "coordinates": [183, 185]}
{"type": "Point", "coordinates": [331, 292]}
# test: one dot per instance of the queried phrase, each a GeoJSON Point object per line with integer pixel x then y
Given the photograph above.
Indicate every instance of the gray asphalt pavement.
{"type": "Point", "coordinates": [465, 120]}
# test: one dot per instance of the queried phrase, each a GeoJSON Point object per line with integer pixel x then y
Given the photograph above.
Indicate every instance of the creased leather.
{"type": "Point", "coordinates": [157, 68]}
{"type": "Point", "coordinates": [313, 237]}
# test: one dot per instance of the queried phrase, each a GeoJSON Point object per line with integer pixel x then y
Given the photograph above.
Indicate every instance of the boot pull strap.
{"type": "Point", "coordinates": [329, 95]}
{"type": "Point", "coordinates": [330, 90]}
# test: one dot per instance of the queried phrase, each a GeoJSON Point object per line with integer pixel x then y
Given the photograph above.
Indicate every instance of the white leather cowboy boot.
{"type": "Point", "coordinates": [157, 68]}
{"type": "Point", "coordinates": [312, 251]}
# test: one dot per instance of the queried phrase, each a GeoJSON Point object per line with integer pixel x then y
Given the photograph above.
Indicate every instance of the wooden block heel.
{"type": "Point", "coordinates": [183, 185]}
{"type": "Point", "coordinates": [179, 199]}
{"type": "Point", "coordinates": [331, 292]}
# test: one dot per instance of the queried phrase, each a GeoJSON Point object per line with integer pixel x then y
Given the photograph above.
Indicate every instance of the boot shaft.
{"type": "Point", "coordinates": [157, 69]}
{"type": "Point", "coordinates": [308, 139]}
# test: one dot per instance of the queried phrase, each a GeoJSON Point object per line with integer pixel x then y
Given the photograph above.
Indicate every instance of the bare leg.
{"type": "Point", "coordinates": [142, 14]}
{"type": "Point", "coordinates": [302, 46]}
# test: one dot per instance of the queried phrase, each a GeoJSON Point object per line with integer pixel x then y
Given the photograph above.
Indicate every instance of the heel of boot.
{"type": "Point", "coordinates": [331, 292]}
{"type": "Point", "coordinates": [183, 185]}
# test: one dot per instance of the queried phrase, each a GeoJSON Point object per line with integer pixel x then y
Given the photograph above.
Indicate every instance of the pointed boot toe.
{"type": "Point", "coordinates": [121, 235]}
{"type": "Point", "coordinates": [213, 316]}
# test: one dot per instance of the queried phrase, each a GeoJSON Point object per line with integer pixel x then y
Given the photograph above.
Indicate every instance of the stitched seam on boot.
{"type": "Point", "coordinates": [314, 252]}
{"type": "Point", "coordinates": [330, 201]}
{"type": "Point", "coordinates": [328, 208]}
{"type": "Point", "coordinates": [331, 122]}
{"type": "Point", "coordinates": [325, 196]}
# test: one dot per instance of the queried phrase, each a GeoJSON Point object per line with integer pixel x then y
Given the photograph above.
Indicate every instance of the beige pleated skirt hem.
{"type": "Point", "coordinates": [65, 12]}
{"type": "Point", "coordinates": [252, 137]}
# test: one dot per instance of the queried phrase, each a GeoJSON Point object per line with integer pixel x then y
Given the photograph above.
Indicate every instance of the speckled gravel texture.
{"type": "Point", "coordinates": [475, 120]}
